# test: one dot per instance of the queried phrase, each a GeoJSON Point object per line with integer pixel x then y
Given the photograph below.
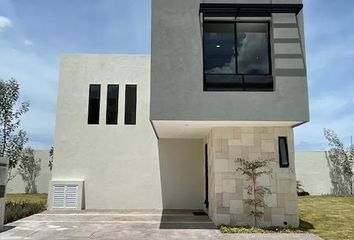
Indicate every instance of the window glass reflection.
{"type": "Point", "coordinates": [219, 48]}
{"type": "Point", "coordinates": [252, 49]}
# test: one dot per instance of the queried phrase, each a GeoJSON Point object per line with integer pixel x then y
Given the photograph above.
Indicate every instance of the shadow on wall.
{"type": "Point", "coordinates": [182, 184]}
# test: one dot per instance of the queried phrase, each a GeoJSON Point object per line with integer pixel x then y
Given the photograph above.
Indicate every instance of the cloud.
{"type": "Point", "coordinates": [5, 23]}
{"type": "Point", "coordinates": [27, 42]}
{"type": "Point", "coordinates": [333, 111]}
{"type": "Point", "coordinates": [228, 67]}
{"type": "Point", "coordinates": [330, 57]}
{"type": "Point", "coordinates": [331, 104]}
{"type": "Point", "coordinates": [252, 46]}
{"type": "Point", "coordinates": [37, 76]}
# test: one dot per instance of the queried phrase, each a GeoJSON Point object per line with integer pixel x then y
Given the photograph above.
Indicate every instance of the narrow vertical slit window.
{"type": "Point", "coordinates": [130, 104]}
{"type": "Point", "coordinates": [112, 104]}
{"type": "Point", "coordinates": [94, 104]}
{"type": "Point", "coordinates": [283, 152]}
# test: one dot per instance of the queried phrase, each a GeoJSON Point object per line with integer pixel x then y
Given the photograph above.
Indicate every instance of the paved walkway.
{"type": "Point", "coordinates": [128, 225]}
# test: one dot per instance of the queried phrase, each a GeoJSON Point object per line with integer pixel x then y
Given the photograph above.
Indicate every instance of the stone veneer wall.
{"type": "Point", "coordinates": [228, 188]}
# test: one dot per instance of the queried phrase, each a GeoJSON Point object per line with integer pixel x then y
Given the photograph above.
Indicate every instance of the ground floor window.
{"type": "Point", "coordinates": [283, 152]}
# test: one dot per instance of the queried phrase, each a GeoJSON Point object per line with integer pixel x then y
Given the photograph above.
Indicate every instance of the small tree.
{"type": "Point", "coordinates": [341, 161]}
{"type": "Point", "coordinates": [51, 155]}
{"type": "Point", "coordinates": [12, 139]}
{"type": "Point", "coordinates": [253, 170]}
{"type": "Point", "coordinates": [29, 169]}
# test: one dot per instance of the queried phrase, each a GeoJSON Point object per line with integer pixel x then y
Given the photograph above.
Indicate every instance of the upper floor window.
{"type": "Point", "coordinates": [237, 56]}
{"type": "Point", "coordinates": [94, 104]}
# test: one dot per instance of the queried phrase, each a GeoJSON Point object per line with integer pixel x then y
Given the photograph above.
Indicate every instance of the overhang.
{"type": "Point", "coordinates": [200, 129]}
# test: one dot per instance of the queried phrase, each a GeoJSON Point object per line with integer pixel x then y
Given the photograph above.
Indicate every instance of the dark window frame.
{"type": "Point", "coordinates": [242, 76]}
{"type": "Point", "coordinates": [126, 116]}
{"type": "Point", "coordinates": [247, 9]}
{"type": "Point", "coordinates": [115, 122]}
{"type": "Point", "coordinates": [281, 164]}
{"type": "Point", "coordinates": [89, 110]}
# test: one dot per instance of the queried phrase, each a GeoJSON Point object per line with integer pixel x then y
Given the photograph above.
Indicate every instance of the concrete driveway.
{"type": "Point", "coordinates": [126, 225]}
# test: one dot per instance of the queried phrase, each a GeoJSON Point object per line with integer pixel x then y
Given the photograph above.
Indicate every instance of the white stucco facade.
{"type": "Point", "coordinates": [120, 164]}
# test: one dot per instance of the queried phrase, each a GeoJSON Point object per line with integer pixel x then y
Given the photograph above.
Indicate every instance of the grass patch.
{"type": "Point", "coordinates": [35, 198]}
{"type": "Point", "coordinates": [332, 218]}
{"type": "Point", "coordinates": [329, 217]}
{"type": "Point", "coordinates": [23, 205]}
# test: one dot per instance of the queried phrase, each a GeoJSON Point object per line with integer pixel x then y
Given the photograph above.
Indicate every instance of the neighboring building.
{"type": "Point", "coordinates": [224, 81]}
{"type": "Point", "coordinates": [17, 185]}
{"type": "Point", "coordinates": [312, 171]}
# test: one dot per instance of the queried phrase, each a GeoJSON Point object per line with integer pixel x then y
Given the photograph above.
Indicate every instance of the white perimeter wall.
{"type": "Point", "coordinates": [313, 172]}
{"type": "Point", "coordinates": [311, 169]}
{"type": "Point", "coordinates": [119, 164]}
{"type": "Point", "coordinates": [17, 185]}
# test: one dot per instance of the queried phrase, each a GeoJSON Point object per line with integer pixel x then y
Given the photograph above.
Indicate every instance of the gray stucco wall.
{"type": "Point", "coordinates": [177, 70]}
{"type": "Point", "coordinates": [122, 166]}
{"type": "Point", "coordinates": [17, 185]}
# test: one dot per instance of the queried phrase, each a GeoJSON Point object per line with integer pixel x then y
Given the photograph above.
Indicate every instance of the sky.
{"type": "Point", "coordinates": [34, 33]}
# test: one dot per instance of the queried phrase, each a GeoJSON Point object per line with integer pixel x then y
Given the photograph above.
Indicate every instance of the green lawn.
{"type": "Point", "coordinates": [27, 197]}
{"type": "Point", "coordinates": [331, 218]}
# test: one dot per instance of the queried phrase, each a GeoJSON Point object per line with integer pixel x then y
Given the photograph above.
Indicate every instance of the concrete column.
{"type": "Point", "coordinates": [3, 180]}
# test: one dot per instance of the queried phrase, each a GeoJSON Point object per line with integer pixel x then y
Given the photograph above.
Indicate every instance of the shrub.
{"type": "Point", "coordinates": [17, 210]}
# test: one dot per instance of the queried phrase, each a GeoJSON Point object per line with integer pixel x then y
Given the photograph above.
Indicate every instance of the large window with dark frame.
{"type": "Point", "coordinates": [237, 56]}
{"type": "Point", "coordinates": [130, 104]}
{"type": "Point", "coordinates": [94, 104]}
{"type": "Point", "coordinates": [112, 104]}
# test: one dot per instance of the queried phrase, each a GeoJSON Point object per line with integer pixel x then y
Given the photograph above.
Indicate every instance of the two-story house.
{"type": "Point", "coordinates": [225, 80]}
